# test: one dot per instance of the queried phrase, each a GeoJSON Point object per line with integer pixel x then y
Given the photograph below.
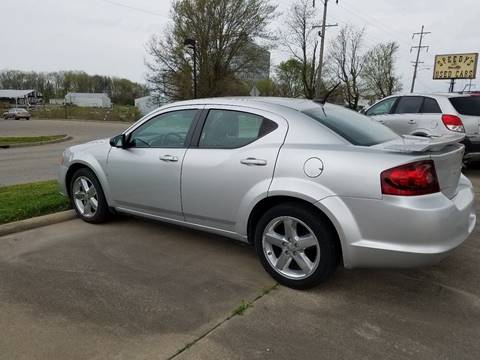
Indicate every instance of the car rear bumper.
{"type": "Point", "coordinates": [402, 232]}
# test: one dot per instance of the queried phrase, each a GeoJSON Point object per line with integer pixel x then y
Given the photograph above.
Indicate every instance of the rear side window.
{"type": "Point", "coordinates": [356, 128]}
{"type": "Point", "coordinates": [226, 129]}
{"type": "Point", "coordinates": [467, 105]}
{"type": "Point", "coordinates": [409, 105]}
{"type": "Point", "coordinates": [430, 106]}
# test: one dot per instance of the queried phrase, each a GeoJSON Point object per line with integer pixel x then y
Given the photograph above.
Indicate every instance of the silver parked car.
{"type": "Point", "coordinates": [432, 115]}
{"type": "Point", "coordinates": [308, 184]}
{"type": "Point", "coordinates": [17, 114]}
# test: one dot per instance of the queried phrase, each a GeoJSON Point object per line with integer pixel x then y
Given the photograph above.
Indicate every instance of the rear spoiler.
{"type": "Point", "coordinates": [420, 144]}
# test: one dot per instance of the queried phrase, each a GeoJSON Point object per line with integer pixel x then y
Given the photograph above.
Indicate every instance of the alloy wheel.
{"type": "Point", "coordinates": [291, 247]}
{"type": "Point", "coordinates": [85, 196]}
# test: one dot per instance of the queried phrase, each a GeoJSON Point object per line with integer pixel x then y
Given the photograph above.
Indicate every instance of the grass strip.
{"type": "Point", "coordinates": [8, 140]}
{"type": "Point", "coordinates": [18, 202]}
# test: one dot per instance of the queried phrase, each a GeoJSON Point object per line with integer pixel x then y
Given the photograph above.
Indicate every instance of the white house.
{"type": "Point", "coordinates": [88, 99]}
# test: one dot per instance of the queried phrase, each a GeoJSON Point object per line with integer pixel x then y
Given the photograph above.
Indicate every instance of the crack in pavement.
{"type": "Point", "coordinates": [234, 313]}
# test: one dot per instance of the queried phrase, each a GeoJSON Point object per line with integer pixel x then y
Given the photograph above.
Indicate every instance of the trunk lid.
{"type": "Point", "coordinates": [445, 151]}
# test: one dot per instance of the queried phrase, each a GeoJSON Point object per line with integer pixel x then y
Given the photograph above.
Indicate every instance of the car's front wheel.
{"type": "Point", "coordinates": [87, 197]}
{"type": "Point", "coordinates": [296, 246]}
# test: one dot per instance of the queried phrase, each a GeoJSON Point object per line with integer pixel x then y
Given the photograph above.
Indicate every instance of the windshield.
{"type": "Point", "coordinates": [356, 128]}
{"type": "Point", "coordinates": [466, 105]}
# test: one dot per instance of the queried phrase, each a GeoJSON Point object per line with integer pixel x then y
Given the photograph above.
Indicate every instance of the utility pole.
{"type": "Point", "coordinates": [322, 46]}
{"type": "Point", "coordinates": [419, 48]}
{"type": "Point", "coordinates": [192, 44]}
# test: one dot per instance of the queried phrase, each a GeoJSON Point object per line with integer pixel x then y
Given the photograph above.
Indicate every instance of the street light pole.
{"type": "Point", "coordinates": [192, 44]}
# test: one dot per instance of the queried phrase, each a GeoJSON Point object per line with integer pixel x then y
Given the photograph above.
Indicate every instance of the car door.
{"type": "Point", "coordinates": [381, 111]}
{"type": "Point", "coordinates": [230, 164]}
{"type": "Point", "coordinates": [145, 176]}
{"type": "Point", "coordinates": [406, 115]}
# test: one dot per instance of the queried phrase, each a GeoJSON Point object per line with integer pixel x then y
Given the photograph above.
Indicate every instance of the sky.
{"type": "Point", "coordinates": [108, 37]}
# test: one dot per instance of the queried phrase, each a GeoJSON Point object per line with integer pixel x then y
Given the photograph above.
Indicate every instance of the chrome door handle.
{"type": "Point", "coordinates": [169, 158]}
{"type": "Point", "coordinates": [253, 161]}
{"type": "Point", "coordinates": [411, 121]}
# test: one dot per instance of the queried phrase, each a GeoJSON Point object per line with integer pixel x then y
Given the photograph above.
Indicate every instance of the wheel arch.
{"type": "Point", "coordinates": [269, 202]}
{"type": "Point", "coordinates": [97, 171]}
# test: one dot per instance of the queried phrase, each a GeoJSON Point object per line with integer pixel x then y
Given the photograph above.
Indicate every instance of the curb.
{"type": "Point", "coordinates": [36, 222]}
{"type": "Point", "coordinates": [65, 138]}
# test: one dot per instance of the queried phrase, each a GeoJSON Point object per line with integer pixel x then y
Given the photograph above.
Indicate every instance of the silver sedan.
{"type": "Point", "coordinates": [310, 185]}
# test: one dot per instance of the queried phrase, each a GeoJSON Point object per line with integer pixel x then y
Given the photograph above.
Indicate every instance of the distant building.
{"type": "Point", "coordinates": [21, 97]}
{"type": "Point", "coordinates": [56, 101]}
{"type": "Point", "coordinates": [149, 103]}
{"type": "Point", "coordinates": [88, 100]}
{"type": "Point", "coordinates": [258, 70]}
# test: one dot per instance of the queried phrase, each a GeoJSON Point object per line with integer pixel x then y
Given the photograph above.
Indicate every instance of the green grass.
{"type": "Point", "coordinates": [240, 309]}
{"type": "Point", "coordinates": [7, 140]}
{"type": "Point", "coordinates": [24, 201]}
{"type": "Point", "coordinates": [125, 113]}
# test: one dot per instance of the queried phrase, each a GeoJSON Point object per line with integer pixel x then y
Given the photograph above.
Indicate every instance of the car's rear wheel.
{"type": "Point", "coordinates": [87, 197]}
{"type": "Point", "coordinates": [296, 246]}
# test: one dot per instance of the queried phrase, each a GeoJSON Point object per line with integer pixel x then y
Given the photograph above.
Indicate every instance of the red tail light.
{"type": "Point", "coordinates": [453, 123]}
{"type": "Point", "coordinates": [417, 178]}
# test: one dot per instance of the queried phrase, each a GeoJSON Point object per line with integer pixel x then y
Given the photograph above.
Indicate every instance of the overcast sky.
{"type": "Point", "coordinates": [107, 37]}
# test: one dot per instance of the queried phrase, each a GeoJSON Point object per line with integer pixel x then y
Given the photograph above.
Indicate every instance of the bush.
{"type": "Point", "coordinates": [125, 113]}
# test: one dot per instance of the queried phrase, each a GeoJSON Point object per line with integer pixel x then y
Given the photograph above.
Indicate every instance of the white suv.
{"type": "Point", "coordinates": [432, 115]}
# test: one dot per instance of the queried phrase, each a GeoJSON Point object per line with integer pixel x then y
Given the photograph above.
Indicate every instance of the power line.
{"type": "Point", "coordinates": [145, 11]}
{"type": "Point", "coordinates": [375, 23]}
{"type": "Point", "coordinates": [419, 47]}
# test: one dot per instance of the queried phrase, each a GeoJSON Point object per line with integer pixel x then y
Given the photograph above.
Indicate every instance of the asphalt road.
{"type": "Point", "coordinates": [27, 164]}
{"type": "Point", "coordinates": [133, 289]}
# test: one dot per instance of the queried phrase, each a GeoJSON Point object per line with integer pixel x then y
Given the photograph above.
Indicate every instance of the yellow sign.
{"type": "Point", "coordinates": [455, 66]}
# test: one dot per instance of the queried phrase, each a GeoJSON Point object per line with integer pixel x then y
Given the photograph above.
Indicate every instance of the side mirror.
{"type": "Point", "coordinates": [119, 141]}
{"type": "Point", "coordinates": [363, 111]}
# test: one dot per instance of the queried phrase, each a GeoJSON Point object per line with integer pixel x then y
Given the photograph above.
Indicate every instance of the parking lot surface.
{"type": "Point", "coordinates": [134, 289]}
{"type": "Point", "coordinates": [27, 164]}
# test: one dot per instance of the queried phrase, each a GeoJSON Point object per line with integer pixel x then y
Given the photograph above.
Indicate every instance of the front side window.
{"type": "Point", "coordinates": [356, 128]}
{"type": "Point", "coordinates": [409, 105]}
{"type": "Point", "coordinates": [168, 130]}
{"type": "Point", "coordinates": [226, 129]}
{"type": "Point", "coordinates": [382, 108]}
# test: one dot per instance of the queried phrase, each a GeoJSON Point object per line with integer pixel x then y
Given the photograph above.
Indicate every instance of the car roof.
{"type": "Point", "coordinates": [265, 103]}
{"type": "Point", "coordinates": [433, 94]}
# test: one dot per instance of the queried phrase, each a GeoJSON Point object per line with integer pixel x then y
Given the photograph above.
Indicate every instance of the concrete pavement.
{"type": "Point", "coordinates": [23, 165]}
{"type": "Point", "coordinates": [133, 289]}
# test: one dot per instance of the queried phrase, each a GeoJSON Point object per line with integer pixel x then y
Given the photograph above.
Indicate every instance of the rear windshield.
{"type": "Point", "coordinates": [356, 128]}
{"type": "Point", "coordinates": [466, 105]}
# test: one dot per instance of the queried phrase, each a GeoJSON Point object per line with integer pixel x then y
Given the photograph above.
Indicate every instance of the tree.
{"type": "Point", "coordinates": [223, 30]}
{"type": "Point", "coordinates": [288, 76]}
{"type": "Point", "coordinates": [347, 62]}
{"type": "Point", "coordinates": [58, 84]}
{"type": "Point", "coordinates": [302, 41]}
{"type": "Point", "coordinates": [379, 70]}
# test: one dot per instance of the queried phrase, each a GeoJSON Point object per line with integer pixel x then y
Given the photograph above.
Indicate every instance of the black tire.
{"type": "Point", "coordinates": [27, 118]}
{"type": "Point", "coordinates": [102, 212]}
{"type": "Point", "coordinates": [324, 232]}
